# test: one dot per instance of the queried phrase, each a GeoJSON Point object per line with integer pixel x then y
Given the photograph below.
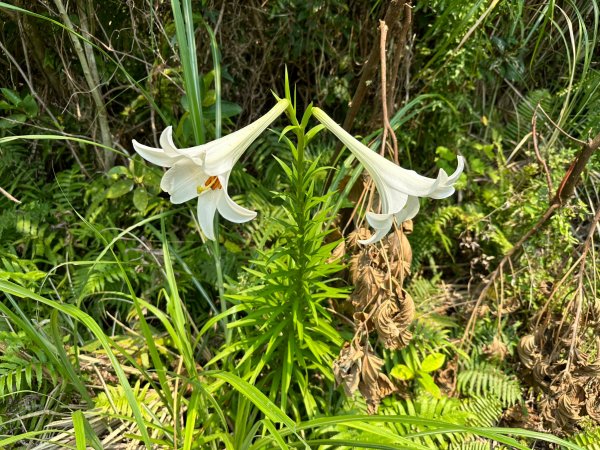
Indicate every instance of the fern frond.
{"type": "Point", "coordinates": [589, 440]}
{"type": "Point", "coordinates": [21, 367]}
{"type": "Point", "coordinates": [483, 412]}
{"type": "Point", "coordinates": [446, 409]}
{"type": "Point", "coordinates": [485, 380]}
{"type": "Point", "coordinates": [521, 123]}
{"type": "Point", "coordinates": [476, 445]}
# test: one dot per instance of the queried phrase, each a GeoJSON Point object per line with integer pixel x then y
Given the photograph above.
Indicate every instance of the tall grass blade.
{"type": "Point", "coordinates": [184, 29]}
{"type": "Point", "coordinates": [19, 291]}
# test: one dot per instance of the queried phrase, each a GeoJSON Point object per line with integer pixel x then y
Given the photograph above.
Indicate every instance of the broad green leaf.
{"type": "Point", "coordinates": [433, 362]}
{"type": "Point", "coordinates": [119, 189]}
{"type": "Point", "coordinates": [402, 372]}
{"type": "Point", "coordinates": [116, 171]}
{"type": "Point", "coordinates": [12, 121]}
{"type": "Point", "coordinates": [30, 106]}
{"type": "Point", "coordinates": [140, 199]}
{"type": "Point", "coordinates": [228, 109]}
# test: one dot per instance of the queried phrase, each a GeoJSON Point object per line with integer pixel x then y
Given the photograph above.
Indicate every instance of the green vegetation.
{"type": "Point", "coordinates": [473, 326]}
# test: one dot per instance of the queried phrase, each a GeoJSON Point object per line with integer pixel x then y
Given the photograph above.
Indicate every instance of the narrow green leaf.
{"type": "Point", "coordinates": [427, 382]}
{"type": "Point", "coordinates": [275, 434]}
{"type": "Point", "coordinates": [79, 427]}
{"type": "Point", "coordinates": [94, 328]}
{"type": "Point", "coordinates": [11, 96]}
{"type": "Point", "coordinates": [261, 401]}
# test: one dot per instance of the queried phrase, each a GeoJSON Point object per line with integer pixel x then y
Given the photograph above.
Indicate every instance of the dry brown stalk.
{"type": "Point", "coordinates": [8, 196]}
{"type": "Point", "coordinates": [579, 292]}
{"type": "Point", "coordinates": [392, 15]}
{"type": "Point", "coordinates": [387, 127]}
{"type": "Point", "coordinates": [399, 53]}
{"type": "Point", "coordinates": [379, 306]}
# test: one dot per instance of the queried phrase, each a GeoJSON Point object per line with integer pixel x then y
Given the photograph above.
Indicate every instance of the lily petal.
{"type": "Point", "coordinates": [398, 188]}
{"type": "Point", "coordinates": [410, 210]}
{"type": "Point", "coordinates": [182, 181]}
{"type": "Point", "coordinates": [192, 170]}
{"type": "Point", "coordinates": [230, 209]}
{"type": "Point", "coordinates": [167, 144]}
{"type": "Point", "coordinates": [223, 153]}
{"type": "Point", "coordinates": [207, 206]}
{"type": "Point", "coordinates": [382, 223]}
{"type": "Point", "coordinates": [398, 178]}
{"type": "Point", "coordinates": [158, 156]}
{"type": "Point", "coordinates": [446, 189]}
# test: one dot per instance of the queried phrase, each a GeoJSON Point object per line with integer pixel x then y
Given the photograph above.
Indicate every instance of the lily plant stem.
{"type": "Point", "coordinates": [300, 218]}
{"type": "Point", "coordinates": [220, 282]}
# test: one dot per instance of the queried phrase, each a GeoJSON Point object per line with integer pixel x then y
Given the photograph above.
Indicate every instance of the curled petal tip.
{"type": "Point", "coordinates": [156, 156]}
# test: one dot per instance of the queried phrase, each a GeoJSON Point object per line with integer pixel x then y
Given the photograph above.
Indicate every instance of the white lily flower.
{"type": "Point", "coordinates": [398, 188]}
{"type": "Point", "coordinates": [203, 171]}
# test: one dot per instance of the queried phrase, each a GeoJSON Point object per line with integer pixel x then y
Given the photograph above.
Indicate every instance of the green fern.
{"type": "Point", "coordinates": [521, 123]}
{"type": "Point", "coordinates": [21, 366]}
{"type": "Point", "coordinates": [436, 228]}
{"type": "Point", "coordinates": [476, 445]}
{"type": "Point", "coordinates": [485, 412]}
{"type": "Point", "coordinates": [469, 412]}
{"type": "Point", "coordinates": [424, 406]}
{"type": "Point", "coordinates": [88, 280]}
{"type": "Point", "coordinates": [589, 440]}
{"type": "Point", "coordinates": [486, 380]}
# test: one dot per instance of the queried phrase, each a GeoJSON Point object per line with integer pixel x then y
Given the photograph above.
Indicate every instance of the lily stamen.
{"type": "Point", "coordinates": [212, 182]}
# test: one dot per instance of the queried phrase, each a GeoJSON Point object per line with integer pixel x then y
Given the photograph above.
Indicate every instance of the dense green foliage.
{"type": "Point", "coordinates": [120, 324]}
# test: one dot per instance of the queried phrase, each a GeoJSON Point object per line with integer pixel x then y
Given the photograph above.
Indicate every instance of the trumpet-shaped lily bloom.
{"type": "Point", "coordinates": [399, 188]}
{"type": "Point", "coordinates": [203, 171]}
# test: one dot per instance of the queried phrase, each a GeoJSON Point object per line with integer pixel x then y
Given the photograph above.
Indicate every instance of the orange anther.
{"type": "Point", "coordinates": [213, 183]}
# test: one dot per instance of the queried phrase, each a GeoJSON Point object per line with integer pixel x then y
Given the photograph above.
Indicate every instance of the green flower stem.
{"type": "Point", "coordinates": [217, 257]}
{"type": "Point", "coordinates": [300, 218]}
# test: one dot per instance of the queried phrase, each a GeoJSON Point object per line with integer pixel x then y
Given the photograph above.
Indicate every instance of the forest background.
{"type": "Point", "coordinates": [122, 327]}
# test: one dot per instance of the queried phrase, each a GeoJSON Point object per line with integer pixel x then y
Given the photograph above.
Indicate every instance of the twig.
{"type": "Point", "coordinates": [392, 14]}
{"type": "Point", "coordinates": [41, 102]}
{"type": "Point", "coordinates": [572, 177]}
{"type": "Point", "coordinates": [552, 122]}
{"type": "Point", "coordinates": [368, 72]}
{"type": "Point", "coordinates": [8, 196]}
{"type": "Point", "coordinates": [579, 292]}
